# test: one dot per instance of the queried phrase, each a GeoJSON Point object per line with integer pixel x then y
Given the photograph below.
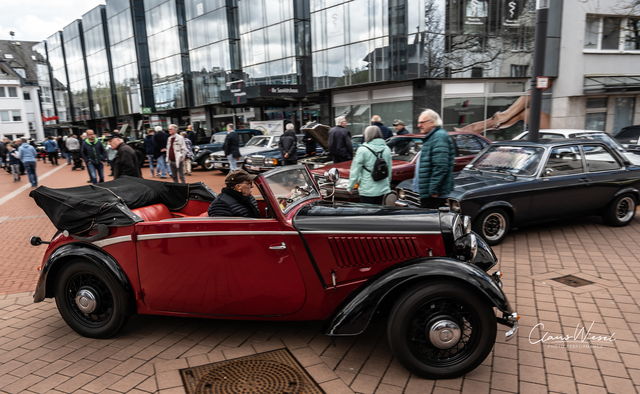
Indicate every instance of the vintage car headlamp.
{"type": "Point", "coordinates": [271, 162]}
{"type": "Point", "coordinates": [466, 247]}
{"type": "Point", "coordinates": [342, 183]}
{"type": "Point", "coordinates": [454, 205]}
{"type": "Point", "coordinates": [196, 149]}
{"type": "Point", "coordinates": [401, 194]}
{"type": "Point", "coordinates": [466, 224]}
{"type": "Point", "coordinates": [248, 160]}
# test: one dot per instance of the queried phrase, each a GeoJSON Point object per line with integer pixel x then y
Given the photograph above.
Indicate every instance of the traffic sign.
{"type": "Point", "coordinates": [146, 110]}
{"type": "Point", "coordinates": [542, 82]}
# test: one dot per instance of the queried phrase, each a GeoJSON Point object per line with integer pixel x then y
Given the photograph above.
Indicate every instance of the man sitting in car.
{"type": "Point", "coordinates": [236, 199]}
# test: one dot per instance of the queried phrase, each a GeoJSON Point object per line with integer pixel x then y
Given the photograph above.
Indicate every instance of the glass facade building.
{"type": "Point", "coordinates": [76, 69]}
{"type": "Point", "coordinates": [98, 63]}
{"type": "Point", "coordinates": [55, 51]}
{"type": "Point", "coordinates": [44, 82]}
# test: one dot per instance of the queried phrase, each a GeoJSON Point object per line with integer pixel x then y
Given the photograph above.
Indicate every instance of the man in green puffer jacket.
{"type": "Point", "coordinates": [435, 167]}
{"type": "Point", "coordinates": [371, 192]}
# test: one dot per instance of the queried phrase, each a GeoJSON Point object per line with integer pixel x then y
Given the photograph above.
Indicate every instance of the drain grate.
{"type": "Point", "coordinates": [573, 281]}
{"type": "Point", "coordinates": [275, 372]}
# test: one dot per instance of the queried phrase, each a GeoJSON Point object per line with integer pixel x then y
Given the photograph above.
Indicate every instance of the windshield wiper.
{"type": "Point", "coordinates": [473, 169]}
{"type": "Point", "coordinates": [503, 171]}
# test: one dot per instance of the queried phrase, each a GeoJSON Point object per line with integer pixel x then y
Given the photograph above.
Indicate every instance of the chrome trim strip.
{"type": "Point", "coordinates": [381, 232]}
{"type": "Point", "coordinates": [110, 241]}
{"type": "Point", "coordinates": [207, 218]}
{"type": "Point", "coordinates": [147, 237]}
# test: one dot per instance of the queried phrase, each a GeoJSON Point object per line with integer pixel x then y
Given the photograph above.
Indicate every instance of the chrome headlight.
{"type": "Point", "coordinates": [454, 205]}
{"type": "Point", "coordinates": [466, 247]}
{"type": "Point", "coordinates": [466, 224]}
{"type": "Point", "coordinates": [401, 194]}
{"type": "Point", "coordinates": [248, 160]}
{"type": "Point", "coordinates": [271, 162]}
{"type": "Point", "coordinates": [196, 149]}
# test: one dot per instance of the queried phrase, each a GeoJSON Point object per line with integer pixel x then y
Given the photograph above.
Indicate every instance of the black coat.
{"type": "Point", "coordinates": [386, 132]}
{"type": "Point", "coordinates": [193, 137]}
{"type": "Point", "coordinates": [232, 203]}
{"type": "Point", "coordinates": [126, 162]}
{"type": "Point", "coordinates": [340, 143]}
{"type": "Point", "coordinates": [289, 144]}
{"type": "Point", "coordinates": [94, 153]}
{"type": "Point", "coordinates": [309, 144]}
{"type": "Point", "coordinates": [402, 131]}
{"type": "Point", "coordinates": [159, 142]}
{"type": "Point", "coordinates": [232, 144]}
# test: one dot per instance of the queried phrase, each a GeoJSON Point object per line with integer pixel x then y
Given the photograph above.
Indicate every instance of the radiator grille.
{"type": "Point", "coordinates": [356, 251]}
{"type": "Point", "coordinates": [257, 160]}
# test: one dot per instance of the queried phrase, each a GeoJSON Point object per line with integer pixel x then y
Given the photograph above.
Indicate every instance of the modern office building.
{"type": "Point", "coordinates": [208, 62]}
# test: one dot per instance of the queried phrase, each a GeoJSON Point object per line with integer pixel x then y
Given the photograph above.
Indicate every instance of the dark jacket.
{"type": "Point", "coordinates": [159, 142]}
{"type": "Point", "coordinates": [232, 203]}
{"type": "Point", "coordinates": [232, 144]}
{"type": "Point", "coordinates": [148, 145]}
{"type": "Point", "coordinates": [60, 142]}
{"type": "Point", "coordinates": [126, 162]}
{"type": "Point", "coordinates": [340, 143]}
{"type": "Point", "coordinates": [94, 153]}
{"type": "Point", "coordinates": [310, 144]}
{"type": "Point", "coordinates": [12, 157]}
{"type": "Point", "coordinates": [193, 137]}
{"type": "Point", "coordinates": [386, 132]}
{"type": "Point", "coordinates": [437, 158]}
{"type": "Point", "coordinates": [289, 144]}
{"type": "Point", "coordinates": [402, 131]}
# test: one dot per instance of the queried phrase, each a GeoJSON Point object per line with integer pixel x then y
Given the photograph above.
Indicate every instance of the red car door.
{"type": "Point", "coordinates": [221, 266]}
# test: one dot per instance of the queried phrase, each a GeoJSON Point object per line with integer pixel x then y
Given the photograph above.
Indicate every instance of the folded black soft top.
{"type": "Point", "coordinates": [78, 209]}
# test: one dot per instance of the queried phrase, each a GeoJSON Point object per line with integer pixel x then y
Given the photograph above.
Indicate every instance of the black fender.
{"type": "Point", "coordinates": [499, 204]}
{"type": "Point", "coordinates": [632, 190]}
{"type": "Point", "coordinates": [70, 251]}
{"type": "Point", "coordinates": [354, 314]}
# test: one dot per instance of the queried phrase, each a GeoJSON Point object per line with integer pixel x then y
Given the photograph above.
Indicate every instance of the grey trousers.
{"type": "Point", "coordinates": [177, 170]}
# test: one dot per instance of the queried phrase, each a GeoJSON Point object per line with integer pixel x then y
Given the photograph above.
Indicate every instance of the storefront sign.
{"type": "Point", "coordinates": [197, 114]}
{"type": "Point", "coordinates": [274, 127]}
{"type": "Point", "coordinates": [238, 93]}
{"type": "Point", "coordinates": [145, 110]}
{"type": "Point", "coordinates": [511, 13]}
{"type": "Point", "coordinates": [476, 13]}
{"type": "Point", "coordinates": [283, 90]}
{"type": "Point", "coordinates": [48, 118]}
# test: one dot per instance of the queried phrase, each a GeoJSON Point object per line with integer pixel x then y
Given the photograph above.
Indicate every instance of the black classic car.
{"type": "Point", "coordinates": [629, 137]}
{"type": "Point", "coordinates": [202, 152]}
{"type": "Point", "coordinates": [269, 159]}
{"type": "Point", "coordinates": [515, 183]}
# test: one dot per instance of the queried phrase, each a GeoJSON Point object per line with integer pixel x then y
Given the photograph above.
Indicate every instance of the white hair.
{"type": "Point", "coordinates": [290, 126]}
{"type": "Point", "coordinates": [339, 120]}
{"type": "Point", "coordinates": [230, 126]}
{"type": "Point", "coordinates": [371, 133]}
{"type": "Point", "coordinates": [433, 116]}
{"type": "Point", "coordinates": [376, 119]}
{"type": "Point", "coordinates": [158, 129]}
{"type": "Point", "coordinates": [173, 126]}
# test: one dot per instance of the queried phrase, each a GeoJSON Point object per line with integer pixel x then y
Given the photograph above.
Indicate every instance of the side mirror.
{"type": "Point", "coordinates": [548, 172]}
{"type": "Point", "coordinates": [332, 175]}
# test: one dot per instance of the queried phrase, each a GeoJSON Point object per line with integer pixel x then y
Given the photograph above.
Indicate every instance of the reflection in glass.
{"type": "Point", "coordinates": [402, 110]}
{"type": "Point", "coordinates": [595, 121]}
{"type": "Point", "coordinates": [459, 112]}
{"type": "Point", "coordinates": [623, 115]}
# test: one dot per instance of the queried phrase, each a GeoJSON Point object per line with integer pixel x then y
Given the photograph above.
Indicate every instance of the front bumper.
{"type": "Point", "coordinates": [509, 318]}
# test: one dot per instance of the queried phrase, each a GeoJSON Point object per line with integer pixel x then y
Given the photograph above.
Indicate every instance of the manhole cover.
{"type": "Point", "coordinates": [572, 281]}
{"type": "Point", "coordinates": [275, 372]}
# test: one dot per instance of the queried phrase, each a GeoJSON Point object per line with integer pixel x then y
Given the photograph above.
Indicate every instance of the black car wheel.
{"type": "Point", "coordinates": [206, 164]}
{"type": "Point", "coordinates": [441, 331]}
{"type": "Point", "coordinates": [90, 300]}
{"type": "Point", "coordinates": [492, 225]}
{"type": "Point", "coordinates": [620, 211]}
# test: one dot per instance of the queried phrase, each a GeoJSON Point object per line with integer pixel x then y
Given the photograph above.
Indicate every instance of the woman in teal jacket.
{"type": "Point", "coordinates": [371, 192]}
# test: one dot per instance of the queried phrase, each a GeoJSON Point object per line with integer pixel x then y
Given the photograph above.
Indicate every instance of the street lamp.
{"type": "Point", "coordinates": [542, 17]}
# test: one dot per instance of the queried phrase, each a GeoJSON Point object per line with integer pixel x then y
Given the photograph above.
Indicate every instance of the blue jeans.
{"type": "Point", "coordinates": [150, 158]}
{"type": "Point", "coordinates": [95, 172]}
{"type": "Point", "coordinates": [233, 163]}
{"type": "Point", "coordinates": [67, 156]}
{"type": "Point", "coordinates": [163, 167]}
{"type": "Point", "coordinates": [30, 167]}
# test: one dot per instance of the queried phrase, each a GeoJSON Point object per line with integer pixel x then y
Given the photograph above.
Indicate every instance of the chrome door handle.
{"type": "Point", "coordinates": [282, 246]}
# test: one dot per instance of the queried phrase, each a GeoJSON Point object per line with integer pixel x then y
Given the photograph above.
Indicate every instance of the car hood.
{"type": "Point", "coordinates": [215, 145]}
{"type": "Point", "coordinates": [247, 150]}
{"type": "Point", "coordinates": [633, 158]}
{"type": "Point", "coordinates": [318, 132]}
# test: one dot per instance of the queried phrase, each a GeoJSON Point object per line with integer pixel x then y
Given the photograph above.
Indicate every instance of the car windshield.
{"type": "Point", "coordinates": [261, 141]}
{"type": "Point", "coordinates": [291, 187]}
{"type": "Point", "coordinates": [404, 149]}
{"type": "Point", "coordinates": [515, 160]}
{"type": "Point", "coordinates": [604, 138]}
{"type": "Point", "coordinates": [219, 137]}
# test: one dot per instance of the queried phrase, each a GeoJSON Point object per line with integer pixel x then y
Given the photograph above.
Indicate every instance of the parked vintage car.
{"type": "Point", "coordinates": [320, 133]}
{"type": "Point", "coordinates": [269, 159]}
{"type": "Point", "coordinates": [257, 144]}
{"type": "Point", "coordinates": [586, 134]}
{"type": "Point", "coordinates": [202, 152]}
{"type": "Point", "coordinates": [148, 247]}
{"type": "Point", "coordinates": [629, 137]}
{"type": "Point", "coordinates": [404, 150]}
{"type": "Point", "coordinates": [514, 183]}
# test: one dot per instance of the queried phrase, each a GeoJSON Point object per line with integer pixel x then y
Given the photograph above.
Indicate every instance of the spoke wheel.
{"type": "Point", "coordinates": [441, 331]}
{"type": "Point", "coordinates": [89, 300]}
{"type": "Point", "coordinates": [206, 164]}
{"type": "Point", "coordinates": [621, 211]}
{"type": "Point", "coordinates": [492, 225]}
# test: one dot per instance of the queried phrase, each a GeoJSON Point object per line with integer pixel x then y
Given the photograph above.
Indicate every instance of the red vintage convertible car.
{"type": "Point", "coordinates": [404, 150]}
{"type": "Point", "coordinates": [140, 246]}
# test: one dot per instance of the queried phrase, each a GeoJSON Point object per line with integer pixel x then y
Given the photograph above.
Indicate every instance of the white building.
{"type": "Point", "coordinates": [598, 85]}
{"type": "Point", "coordinates": [20, 114]}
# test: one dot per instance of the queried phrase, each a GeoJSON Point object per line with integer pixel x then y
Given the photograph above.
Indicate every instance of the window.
{"type": "Point", "coordinates": [518, 71]}
{"type": "Point", "coordinates": [8, 56]}
{"type": "Point", "coordinates": [21, 72]}
{"type": "Point", "coordinates": [467, 145]}
{"type": "Point", "coordinates": [2, 93]}
{"type": "Point", "coordinates": [476, 72]}
{"type": "Point", "coordinates": [599, 159]}
{"type": "Point", "coordinates": [623, 113]}
{"type": "Point", "coordinates": [27, 96]}
{"type": "Point", "coordinates": [565, 160]}
{"type": "Point", "coordinates": [13, 92]}
{"type": "Point", "coordinates": [608, 33]}
{"type": "Point", "coordinates": [4, 116]}
{"type": "Point", "coordinates": [16, 116]}
{"type": "Point", "coordinates": [596, 113]}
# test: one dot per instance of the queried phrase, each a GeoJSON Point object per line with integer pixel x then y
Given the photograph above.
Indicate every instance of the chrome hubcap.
{"type": "Point", "coordinates": [494, 226]}
{"type": "Point", "coordinates": [625, 209]}
{"type": "Point", "coordinates": [444, 334]}
{"type": "Point", "coordinates": [86, 301]}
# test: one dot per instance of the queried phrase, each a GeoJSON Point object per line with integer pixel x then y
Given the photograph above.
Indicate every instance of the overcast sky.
{"type": "Point", "coordinates": [36, 20]}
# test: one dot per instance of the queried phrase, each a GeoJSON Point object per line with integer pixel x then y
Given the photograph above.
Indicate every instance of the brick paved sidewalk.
{"type": "Point", "coordinates": [39, 353]}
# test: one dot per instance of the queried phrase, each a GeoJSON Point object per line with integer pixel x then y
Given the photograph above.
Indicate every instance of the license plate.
{"type": "Point", "coordinates": [217, 165]}
{"type": "Point", "coordinates": [255, 168]}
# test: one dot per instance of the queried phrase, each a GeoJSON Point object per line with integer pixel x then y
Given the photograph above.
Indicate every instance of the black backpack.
{"type": "Point", "coordinates": [380, 169]}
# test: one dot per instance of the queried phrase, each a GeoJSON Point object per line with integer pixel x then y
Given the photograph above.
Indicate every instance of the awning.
{"type": "Point", "coordinates": [598, 83]}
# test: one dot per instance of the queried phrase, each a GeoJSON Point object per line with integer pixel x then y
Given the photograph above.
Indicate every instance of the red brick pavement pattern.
{"type": "Point", "coordinates": [20, 218]}
{"type": "Point", "coordinates": [39, 353]}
